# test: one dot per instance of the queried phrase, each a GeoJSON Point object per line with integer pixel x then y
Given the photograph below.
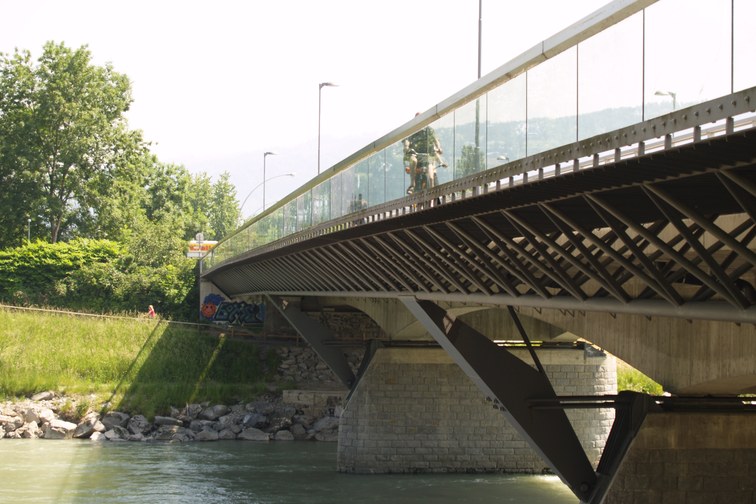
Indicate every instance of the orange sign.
{"type": "Point", "coordinates": [199, 249]}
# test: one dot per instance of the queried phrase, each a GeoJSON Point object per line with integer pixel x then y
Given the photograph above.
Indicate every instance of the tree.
{"type": "Point", "coordinates": [224, 211]}
{"type": "Point", "coordinates": [63, 126]}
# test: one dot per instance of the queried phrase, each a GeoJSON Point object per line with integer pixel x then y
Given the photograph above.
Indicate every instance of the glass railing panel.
{"type": "Point", "coordinates": [277, 221]}
{"type": "Point", "coordinates": [304, 211]}
{"type": "Point", "coordinates": [360, 186]}
{"type": "Point", "coordinates": [290, 218]}
{"type": "Point", "coordinates": [321, 203]}
{"type": "Point", "coordinates": [744, 37]}
{"type": "Point", "coordinates": [347, 191]}
{"type": "Point", "coordinates": [687, 53]}
{"type": "Point", "coordinates": [552, 103]}
{"type": "Point", "coordinates": [336, 197]}
{"type": "Point", "coordinates": [470, 138]}
{"type": "Point", "coordinates": [506, 127]}
{"type": "Point", "coordinates": [397, 175]}
{"type": "Point", "coordinates": [444, 128]}
{"type": "Point", "coordinates": [610, 83]}
{"type": "Point", "coordinates": [377, 168]}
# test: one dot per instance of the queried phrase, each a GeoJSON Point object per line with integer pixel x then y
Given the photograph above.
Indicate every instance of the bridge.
{"type": "Point", "coordinates": [610, 194]}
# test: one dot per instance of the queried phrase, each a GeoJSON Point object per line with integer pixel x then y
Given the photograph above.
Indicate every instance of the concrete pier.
{"type": "Point", "coordinates": [416, 411]}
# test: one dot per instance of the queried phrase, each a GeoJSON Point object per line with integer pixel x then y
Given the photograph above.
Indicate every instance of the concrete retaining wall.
{"type": "Point", "coordinates": [416, 411]}
{"type": "Point", "coordinates": [689, 458]}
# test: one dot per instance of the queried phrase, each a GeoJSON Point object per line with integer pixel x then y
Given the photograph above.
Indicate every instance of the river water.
{"type": "Point", "coordinates": [39, 471]}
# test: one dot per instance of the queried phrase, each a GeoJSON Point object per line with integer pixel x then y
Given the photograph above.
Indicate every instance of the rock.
{"type": "Point", "coordinates": [59, 429]}
{"type": "Point", "coordinates": [298, 431]}
{"type": "Point", "coordinates": [214, 412]}
{"type": "Point", "coordinates": [138, 424]}
{"type": "Point", "coordinates": [252, 434]}
{"type": "Point", "coordinates": [117, 433]}
{"type": "Point", "coordinates": [256, 420]}
{"type": "Point", "coordinates": [326, 423]}
{"type": "Point", "coordinates": [97, 436]}
{"type": "Point", "coordinates": [11, 423]}
{"type": "Point", "coordinates": [29, 431]}
{"type": "Point", "coordinates": [114, 418]}
{"type": "Point", "coordinates": [43, 396]}
{"type": "Point", "coordinates": [227, 434]}
{"type": "Point", "coordinates": [283, 435]}
{"type": "Point", "coordinates": [163, 420]}
{"type": "Point", "coordinates": [30, 415]}
{"type": "Point", "coordinates": [207, 435]}
{"type": "Point", "coordinates": [192, 411]}
{"type": "Point", "coordinates": [200, 425]}
{"type": "Point", "coordinates": [87, 426]}
{"type": "Point", "coordinates": [46, 415]}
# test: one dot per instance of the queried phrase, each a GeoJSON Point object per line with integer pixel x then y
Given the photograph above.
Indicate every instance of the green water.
{"type": "Point", "coordinates": [235, 472]}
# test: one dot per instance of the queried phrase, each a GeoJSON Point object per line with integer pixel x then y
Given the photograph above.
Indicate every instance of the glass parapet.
{"type": "Point", "coordinates": [646, 63]}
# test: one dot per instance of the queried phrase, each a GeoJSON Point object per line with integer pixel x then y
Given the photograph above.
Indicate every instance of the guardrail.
{"type": "Point", "coordinates": [373, 176]}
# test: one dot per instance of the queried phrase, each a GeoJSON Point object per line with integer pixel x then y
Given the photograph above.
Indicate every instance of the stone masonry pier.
{"type": "Point", "coordinates": [415, 411]}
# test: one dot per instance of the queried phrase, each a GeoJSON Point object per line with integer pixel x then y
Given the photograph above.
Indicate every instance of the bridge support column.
{"type": "Point", "coordinates": [414, 410]}
{"type": "Point", "coordinates": [686, 457]}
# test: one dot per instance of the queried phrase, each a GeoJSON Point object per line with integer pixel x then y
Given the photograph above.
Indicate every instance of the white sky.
{"type": "Point", "coordinates": [216, 84]}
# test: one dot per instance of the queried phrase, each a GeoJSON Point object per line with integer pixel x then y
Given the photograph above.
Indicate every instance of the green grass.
{"type": "Point", "coordinates": [137, 365]}
{"type": "Point", "coordinates": [629, 378]}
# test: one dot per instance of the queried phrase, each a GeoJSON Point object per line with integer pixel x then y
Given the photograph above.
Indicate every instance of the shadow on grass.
{"type": "Point", "coordinates": [179, 365]}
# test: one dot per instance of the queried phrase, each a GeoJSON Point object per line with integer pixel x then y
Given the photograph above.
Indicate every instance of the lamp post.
{"type": "Point", "coordinates": [28, 230]}
{"type": "Point", "coordinates": [265, 156]}
{"type": "Point", "coordinates": [263, 185]}
{"type": "Point", "coordinates": [672, 95]}
{"type": "Point", "coordinates": [320, 92]}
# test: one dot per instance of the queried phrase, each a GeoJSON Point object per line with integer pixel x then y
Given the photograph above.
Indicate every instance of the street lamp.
{"type": "Point", "coordinates": [320, 92]}
{"type": "Point", "coordinates": [672, 95]}
{"type": "Point", "coordinates": [265, 156]}
{"type": "Point", "coordinates": [263, 185]}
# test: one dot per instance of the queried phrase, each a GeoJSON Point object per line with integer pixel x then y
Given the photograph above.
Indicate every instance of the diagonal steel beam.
{"type": "Point", "coordinates": [565, 280]}
{"type": "Point", "coordinates": [487, 260]}
{"type": "Point", "coordinates": [316, 334]}
{"type": "Point", "coordinates": [501, 375]}
{"type": "Point", "coordinates": [510, 249]}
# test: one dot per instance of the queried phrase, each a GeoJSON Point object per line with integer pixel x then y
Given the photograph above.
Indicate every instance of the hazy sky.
{"type": "Point", "coordinates": [216, 84]}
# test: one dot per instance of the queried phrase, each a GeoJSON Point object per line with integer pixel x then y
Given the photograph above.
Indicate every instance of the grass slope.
{"type": "Point", "coordinates": [136, 365]}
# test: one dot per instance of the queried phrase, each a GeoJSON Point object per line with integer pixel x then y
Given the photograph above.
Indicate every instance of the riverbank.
{"type": "Point", "coordinates": [293, 415]}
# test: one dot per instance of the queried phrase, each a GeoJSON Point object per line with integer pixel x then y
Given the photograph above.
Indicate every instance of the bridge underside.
{"type": "Point", "coordinates": [665, 234]}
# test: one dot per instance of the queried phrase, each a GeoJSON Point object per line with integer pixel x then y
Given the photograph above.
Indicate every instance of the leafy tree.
{"type": "Point", "coordinates": [224, 211]}
{"type": "Point", "coordinates": [62, 124]}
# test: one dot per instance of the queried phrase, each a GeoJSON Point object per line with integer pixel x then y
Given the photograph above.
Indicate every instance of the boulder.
{"type": "Point", "coordinates": [11, 423]}
{"type": "Point", "coordinates": [327, 436]}
{"type": "Point", "coordinates": [326, 423]}
{"type": "Point", "coordinates": [298, 431]}
{"type": "Point", "coordinates": [30, 415]}
{"type": "Point", "coordinates": [256, 420]}
{"type": "Point", "coordinates": [207, 435]}
{"type": "Point", "coordinates": [97, 436]}
{"type": "Point", "coordinates": [214, 412]}
{"type": "Point", "coordinates": [283, 435]}
{"type": "Point", "coordinates": [59, 429]}
{"type": "Point", "coordinates": [29, 431]}
{"type": "Point", "coordinates": [117, 433]}
{"type": "Point", "coordinates": [46, 415]}
{"type": "Point", "coordinates": [114, 418]}
{"type": "Point", "coordinates": [164, 420]}
{"type": "Point", "coordinates": [227, 435]}
{"type": "Point", "coordinates": [87, 426]}
{"type": "Point", "coordinates": [138, 424]}
{"type": "Point", "coordinates": [43, 396]}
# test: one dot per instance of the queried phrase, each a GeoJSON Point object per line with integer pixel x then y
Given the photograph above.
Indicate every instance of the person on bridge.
{"type": "Point", "coordinates": [422, 151]}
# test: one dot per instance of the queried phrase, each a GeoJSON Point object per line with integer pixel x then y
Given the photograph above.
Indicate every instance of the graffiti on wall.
{"type": "Point", "coordinates": [216, 308]}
